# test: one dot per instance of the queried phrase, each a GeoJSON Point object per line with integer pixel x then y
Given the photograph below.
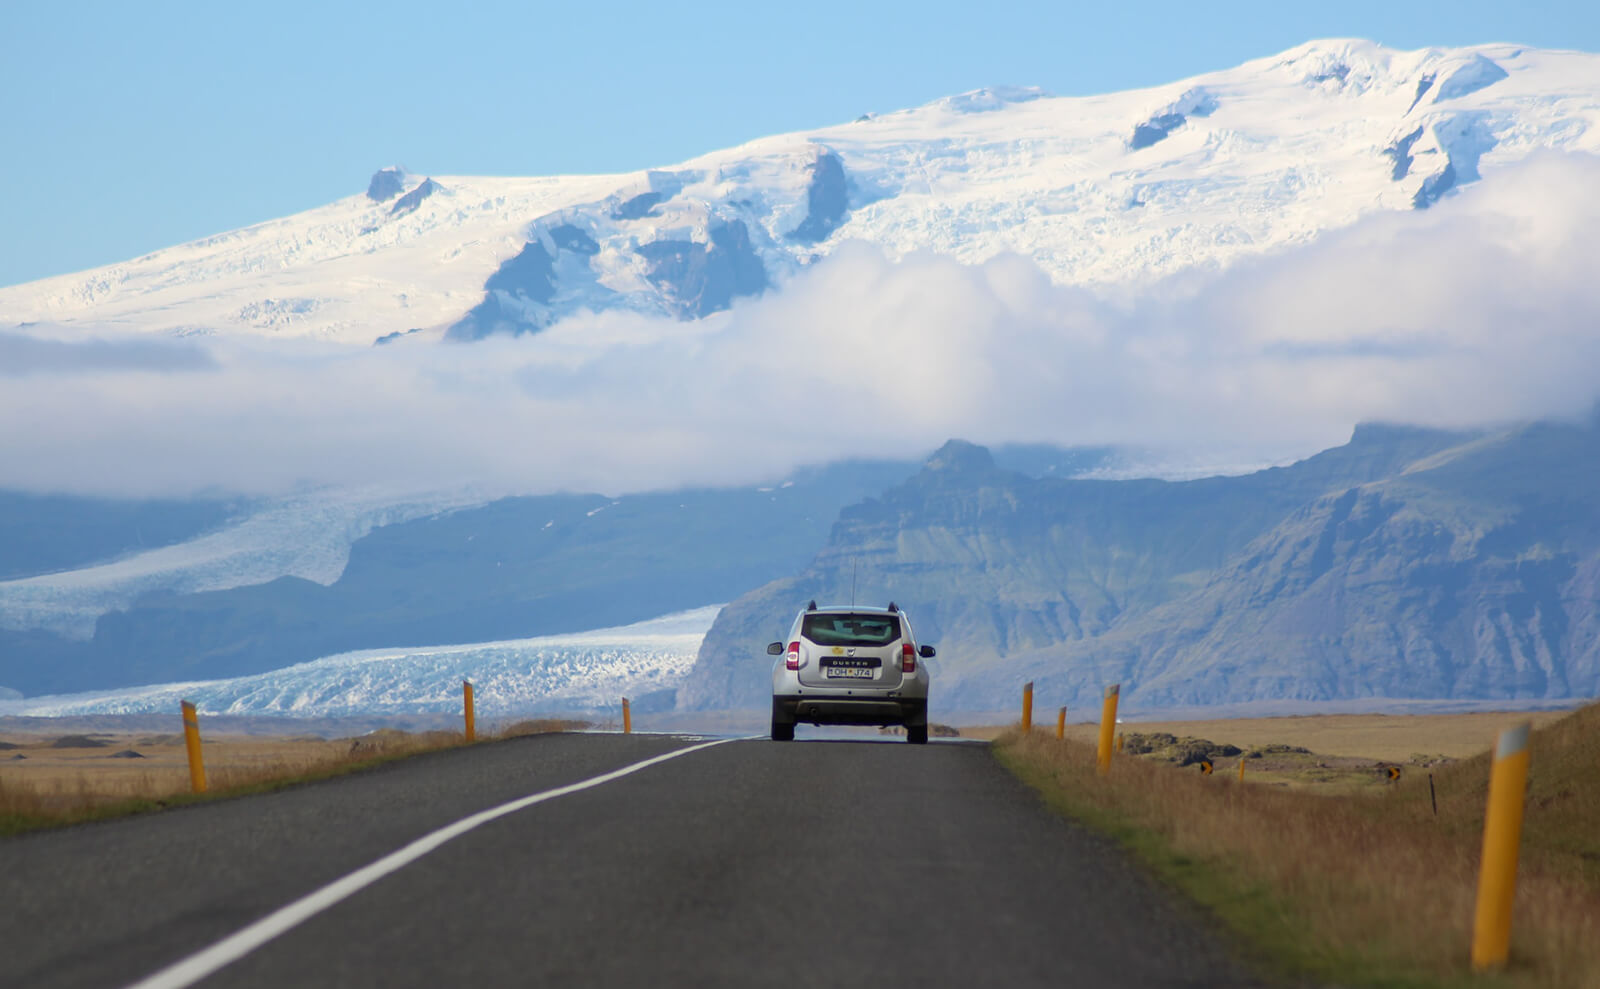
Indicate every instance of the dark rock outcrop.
{"type": "Point", "coordinates": [827, 200]}
{"type": "Point", "coordinates": [388, 338]}
{"type": "Point", "coordinates": [1197, 102]}
{"type": "Point", "coordinates": [700, 279]}
{"type": "Point", "coordinates": [1400, 153]}
{"type": "Point", "coordinates": [518, 295]}
{"type": "Point", "coordinates": [1423, 85]}
{"type": "Point", "coordinates": [530, 274]}
{"type": "Point", "coordinates": [411, 200]}
{"type": "Point", "coordinates": [1464, 138]}
{"type": "Point", "coordinates": [386, 184]}
{"type": "Point", "coordinates": [569, 238]}
{"type": "Point", "coordinates": [513, 297]}
{"type": "Point", "coordinates": [1435, 186]}
{"type": "Point", "coordinates": [638, 207]}
{"type": "Point", "coordinates": [1337, 72]}
{"type": "Point", "coordinates": [1155, 130]}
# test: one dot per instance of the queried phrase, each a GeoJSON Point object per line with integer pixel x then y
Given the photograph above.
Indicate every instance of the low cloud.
{"type": "Point", "coordinates": [26, 354]}
{"type": "Point", "coordinates": [1480, 310]}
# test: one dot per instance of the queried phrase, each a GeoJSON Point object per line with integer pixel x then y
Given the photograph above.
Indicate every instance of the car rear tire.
{"type": "Point", "coordinates": [917, 734]}
{"type": "Point", "coordinates": [782, 732]}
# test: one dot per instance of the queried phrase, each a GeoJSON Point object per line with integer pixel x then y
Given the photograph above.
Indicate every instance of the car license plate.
{"type": "Point", "coordinates": [849, 673]}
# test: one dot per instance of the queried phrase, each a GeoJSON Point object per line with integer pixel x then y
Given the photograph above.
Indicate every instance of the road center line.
{"type": "Point", "coordinates": [240, 943]}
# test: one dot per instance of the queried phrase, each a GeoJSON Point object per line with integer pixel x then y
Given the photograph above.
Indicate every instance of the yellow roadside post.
{"type": "Point", "coordinates": [1241, 767]}
{"type": "Point", "coordinates": [627, 718]}
{"type": "Point", "coordinates": [1027, 707]}
{"type": "Point", "coordinates": [191, 742]}
{"type": "Point", "coordinates": [1061, 724]}
{"type": "Point", "coordinates": [1502, 834]}
{"type": "Point", "coordinates": [1108, 727]}
{"type": "Point", "coordinates": [466, 705]}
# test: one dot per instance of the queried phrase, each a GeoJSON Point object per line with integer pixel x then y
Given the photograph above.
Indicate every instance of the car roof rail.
{"type": "Point", "coordinates": [892, 608]}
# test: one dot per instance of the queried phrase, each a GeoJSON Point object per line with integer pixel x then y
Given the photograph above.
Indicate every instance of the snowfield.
{"type": "Point", "coordinates": [1110, 191]}
{"type": "Point", "coordinates": [584, 671]}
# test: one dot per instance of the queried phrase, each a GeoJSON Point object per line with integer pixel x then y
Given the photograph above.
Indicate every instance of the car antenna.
{"type": "Point", "coordinates": [852, 582]}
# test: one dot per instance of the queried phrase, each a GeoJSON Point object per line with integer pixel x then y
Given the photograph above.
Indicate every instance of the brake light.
{"type": "Point", "coordinates": [793, 662]}
{"type": "Point", "coordinates": [908, 658]}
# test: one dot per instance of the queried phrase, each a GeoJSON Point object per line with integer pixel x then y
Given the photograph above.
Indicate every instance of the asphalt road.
{"type": "Point", "coordinates": [753, 863]}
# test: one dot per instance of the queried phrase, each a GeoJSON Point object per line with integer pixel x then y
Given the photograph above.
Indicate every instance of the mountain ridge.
{"type": "Point", "coordinates": [1103, 190]}
{"type": "Point", "coordinates": [1408, 563]}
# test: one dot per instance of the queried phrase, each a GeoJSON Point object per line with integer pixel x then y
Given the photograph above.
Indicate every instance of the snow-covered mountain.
{"type": "Point", "coordinates": [585, 671]}
{"type": "Point", "coordinates": [1110, 190]}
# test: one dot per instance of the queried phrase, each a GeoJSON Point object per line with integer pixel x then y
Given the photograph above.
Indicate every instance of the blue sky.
{"type": "Point", "coordinates": [129, 127]}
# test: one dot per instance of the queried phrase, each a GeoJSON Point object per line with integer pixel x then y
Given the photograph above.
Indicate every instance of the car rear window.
{"type": "Point", "coordinates": [851, 630]}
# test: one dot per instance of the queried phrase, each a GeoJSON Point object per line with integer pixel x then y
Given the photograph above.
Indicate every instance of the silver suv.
{"type": "Point", "coordinates": [850, 666]}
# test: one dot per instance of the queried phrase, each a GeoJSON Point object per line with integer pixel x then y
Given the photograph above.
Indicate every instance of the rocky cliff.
{"type": "Point", "coordinates": [1408, 563]}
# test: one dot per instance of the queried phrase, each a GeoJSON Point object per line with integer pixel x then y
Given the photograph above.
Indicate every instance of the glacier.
{"type": "Point", "coordinates": [576, 673]}
{"type": "Point", "coordinates": [306, 535]}
{"type": "Point", "coordinates": [1109, 191]}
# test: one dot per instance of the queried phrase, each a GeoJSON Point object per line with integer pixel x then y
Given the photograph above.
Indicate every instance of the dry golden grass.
{"type": "Point", "coordinates": [53, 786]}
{"type": "Point", "coordinates": [1389, 737]}
{"type": "Point", "coordinates": [1366, 888]}
{"type": "Point", "coordinates": [539, 726]}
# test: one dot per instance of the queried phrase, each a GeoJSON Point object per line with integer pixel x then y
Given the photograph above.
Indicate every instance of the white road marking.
{"type": "Point", "coordinates": [235, 946]}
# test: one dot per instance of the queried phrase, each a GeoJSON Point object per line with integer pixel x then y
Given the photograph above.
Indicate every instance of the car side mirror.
{"type": "Point", "coordinates": [927, 652]}
{"type": "Point", "coordinates": [774, 649]}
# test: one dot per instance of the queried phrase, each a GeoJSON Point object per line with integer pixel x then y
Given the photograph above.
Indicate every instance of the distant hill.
{"type": "Point", "coordinates": [515, 568]}
{"type": "Point", "coordinates": [510, 569]}
{"type": "Point", "coordinates": [1408, 563]}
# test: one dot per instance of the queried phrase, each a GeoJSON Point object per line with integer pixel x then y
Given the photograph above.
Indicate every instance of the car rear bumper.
{"type": "Point", "coordinates": [851, 710]}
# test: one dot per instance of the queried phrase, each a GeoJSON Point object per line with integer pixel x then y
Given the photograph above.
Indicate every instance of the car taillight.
{"type": "Point", "coordinates": [908, 658]}
{"type": "Point", "coordinates": [793, 662]}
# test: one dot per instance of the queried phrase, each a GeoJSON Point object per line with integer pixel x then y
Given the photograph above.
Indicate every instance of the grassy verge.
{"type": "Point", "coordinates": [29, 806]}
{"type": "Point", "coordinates": [1358, 888]}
